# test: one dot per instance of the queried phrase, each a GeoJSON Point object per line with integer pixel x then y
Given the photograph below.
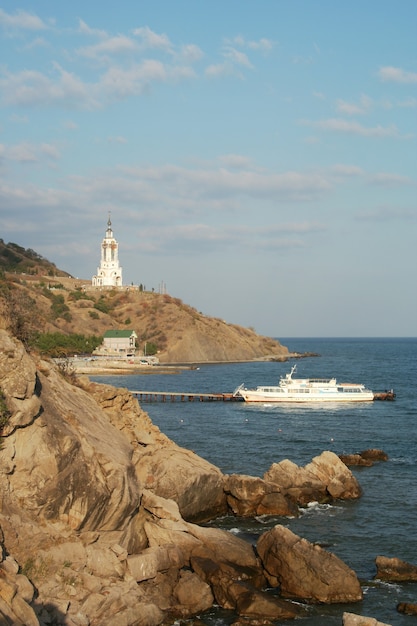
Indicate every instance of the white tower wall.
{"type": "Point", "coordinates": [109, 274]}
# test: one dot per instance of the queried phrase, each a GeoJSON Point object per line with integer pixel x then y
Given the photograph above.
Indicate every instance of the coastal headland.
{"type": "Point", "coordinates": [102, 515]}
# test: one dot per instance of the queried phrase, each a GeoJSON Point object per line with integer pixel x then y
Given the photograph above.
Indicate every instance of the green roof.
{"type": "Point", "coordinates": [114, 334]}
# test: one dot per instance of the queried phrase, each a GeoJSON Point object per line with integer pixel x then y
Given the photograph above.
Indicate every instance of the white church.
{"type": "Point", "coordinates": [109, 274]}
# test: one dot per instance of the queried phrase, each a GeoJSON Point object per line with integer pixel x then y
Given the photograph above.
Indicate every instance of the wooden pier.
{"type": "Point", "coordinates": [182, 396]}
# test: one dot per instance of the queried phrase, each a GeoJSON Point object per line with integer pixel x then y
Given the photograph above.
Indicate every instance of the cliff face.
{"type": "Point", "coordinates": [82, 470]}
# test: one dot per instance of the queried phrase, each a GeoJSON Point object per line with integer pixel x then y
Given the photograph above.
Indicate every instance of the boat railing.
{"type": "Point", "coordinates": [238, 389]}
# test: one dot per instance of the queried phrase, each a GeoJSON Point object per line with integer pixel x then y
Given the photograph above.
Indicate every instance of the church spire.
{"type": "Point", "coordinates": [109, 274]}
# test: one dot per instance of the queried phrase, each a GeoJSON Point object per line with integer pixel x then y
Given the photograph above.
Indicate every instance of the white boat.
{"type": "Point", "coordinates": [292, 389]}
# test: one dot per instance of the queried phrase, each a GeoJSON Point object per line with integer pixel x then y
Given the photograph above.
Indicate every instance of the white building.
{"type": "Point", "coordinates": [109, 274]}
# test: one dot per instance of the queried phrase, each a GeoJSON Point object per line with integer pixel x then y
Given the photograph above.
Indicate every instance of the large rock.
{"type": "Point", "coordinates": [248, 496]}
{"type": "Point", "coordinates": [19, 383]}
{"type": "Point", "coordinates": [161, 466]}
{"type": "Point", "coordinates": [395, 570]}
{"type": "Point", "coordinates": [69, 463]}
{"type": "Point", "coordinates": [366, 458]}
{"type": "Point", "coordinates": [407, 608]}
{"type": "Point", "coordinates": [326, 478]}
{"type": "Point", "coordinates": [351, 619]}
{"type": "Point", "coordinates": [306, 571]}
{"type": "Point", "coordinates": [180, 475]}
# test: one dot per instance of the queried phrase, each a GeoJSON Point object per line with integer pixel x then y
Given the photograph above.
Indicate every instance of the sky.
{"type": "Point", "coordinates": [257, 158]}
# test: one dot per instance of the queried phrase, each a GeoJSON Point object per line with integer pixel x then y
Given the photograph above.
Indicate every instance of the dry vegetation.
{"type": "Point", "coordinates": [179, 332]}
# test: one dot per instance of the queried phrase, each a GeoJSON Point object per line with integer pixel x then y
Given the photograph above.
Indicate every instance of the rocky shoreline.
{"type": "Point", "coordinates": [101, 519]}
{"type": "Point", "coordinates": [113, 366]}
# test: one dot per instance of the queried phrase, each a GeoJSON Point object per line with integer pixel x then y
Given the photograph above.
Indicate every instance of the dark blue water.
{"type": "Point", "coordinates": [243, 438]}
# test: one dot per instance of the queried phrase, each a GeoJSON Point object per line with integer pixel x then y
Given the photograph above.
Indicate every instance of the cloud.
{"type": "Point", "coordinates": [26, 152]}
{"type": "Point", "coordinates": [21, 19]}
{"type": "Point", "coordinates": [235, 161]}
{"type": "Point", "coordinates": [34, 88]}
{"type": "Point", "coordinates": [221, 69]}
{"type": "Point", "coordinates": [110, 46]}
{"type": "Point", "coordinates": [349, 108]}
{"type": "Point", "coordinates": [150, 39]}
{"type": "Point", "coordinates": [119, 139]}
{"type": "Point", "coordinates": [347, 170]}
{"type": "Point", "coordinates": [388, 214]}
{"type": "Point", "coordinates": [191, 53]}
{"type": "Point", "coordinates": [389, 180]}
{"type": "Point", "coordinates": [84, 29]}
{"type": "Point", "coordinates": [263, 44]}
{"type": "Point", "coordinates": [30, 87]}
{"type": "Point", "coordinates": [397, 75]}
{"type": "Point", "coordinates": [354, 128]}
{"type": "Point", "coordinates": [237, 57]}
{"type": "Point", "coordinates": [205, 238]}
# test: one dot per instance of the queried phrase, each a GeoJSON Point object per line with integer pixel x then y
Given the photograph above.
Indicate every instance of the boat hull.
{"type": "Point", "coordinates": [253, 396]}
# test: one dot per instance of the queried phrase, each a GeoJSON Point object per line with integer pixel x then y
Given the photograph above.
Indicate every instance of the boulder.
{"type": "Point", "coordinates": [248, 496]}
{"type": "Point", "coordinates": [296, 482]}
{"type": "Point", "coordinates": [306, 571]}
{"type": "Point", "coordinates": [366, 458]}
{"type": "Point", "coordinates": [395, 570]}
{"type": "Point", "coordinates": [180, 475]}
{"type": "Point", "coordinates": [338, 479]}
{"type": "Point", "coordinates": [149, 562]}
{"type": "Point", "coordinates": [325, 478]}
{"type": "Point", "coordinates": [238, 588]}
{"type": "Point", "coordinates": [355, 460]}
{"type": "Point", "coordinates": [192, 595]}
{"type": "Point", "coordinates": [350, 619]}
{"type": "Point", "coordinates": [374, 454]}
{"type": "Point", "coordinates": [16, 595]}
{"type": "Point", "coordinates": [407, 608]}
{"type": "Point", "coordinates": [19, 383]}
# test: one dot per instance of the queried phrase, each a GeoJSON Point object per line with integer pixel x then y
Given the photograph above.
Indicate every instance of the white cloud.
{"type": "Point", "coordinates": [389, 180]}
{"type": "Point", "coordinates": [191, 53]}
{"type": "Point", "coordinates": [150, 39]}
{"type": "Point", "coordinates": [350, 108]}
{"type": "Point", "coordinates": [221, 69]}
{"type": "Point", "coordinates": [119, 139]}
{"type": "Point", "coordinates": [21, 19]}
{"type": "Point", "coordinates": [235, 161]}
{"type": "Point", "coordinates": [110, 46]}
{"type": "Point", "coordinates": [237, 57]}
{"type": "Point", "coordinates": [354, 128]}
{"type": "Point", "coordinates": [84, 29]}
{"type": "Point", "coordinates": [347, 170]}
{"type": "Point", "coordinates": [26, 152]}
{"type": "Point", "coordinates": [30, 87]}
{"type": "Point", "coordinates": [397, 75]}
{"type": "Point", "coordinates": [63, 88]}
{"type": "Point", "coordinates": [263, 44]}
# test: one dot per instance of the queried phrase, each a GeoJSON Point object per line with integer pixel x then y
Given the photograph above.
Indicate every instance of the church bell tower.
{"type": "Point", "coordinates": [109, 274]}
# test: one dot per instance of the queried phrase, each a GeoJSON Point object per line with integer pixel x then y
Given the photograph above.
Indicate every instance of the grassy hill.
{"type": "Point", "coordinates": [48, 300]}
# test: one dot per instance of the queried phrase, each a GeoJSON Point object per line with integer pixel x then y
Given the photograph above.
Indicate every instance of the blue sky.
{"type": "Point", "coordinates": [258, 158]}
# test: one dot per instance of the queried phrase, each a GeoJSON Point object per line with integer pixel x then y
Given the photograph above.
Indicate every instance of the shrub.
{"type": "Point", "coordinates": [59, 345]}
{"type": "Point", "coordinates": [4, 411]}
{"type": "Point", "coordinates": [102, 306]}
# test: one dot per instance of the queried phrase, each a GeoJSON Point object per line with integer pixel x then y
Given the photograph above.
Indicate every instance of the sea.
{"type": "Point", "coordinates": [246, 439]}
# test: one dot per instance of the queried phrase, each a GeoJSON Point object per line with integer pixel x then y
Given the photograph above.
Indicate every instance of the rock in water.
{"type": "Point", "coordinates": [306, 571]}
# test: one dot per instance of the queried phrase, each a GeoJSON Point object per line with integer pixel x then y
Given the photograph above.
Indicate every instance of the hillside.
{"type": "Point", "coordinates": [56, 302]}
{"type": "Point", "coordinates": [14, 258]}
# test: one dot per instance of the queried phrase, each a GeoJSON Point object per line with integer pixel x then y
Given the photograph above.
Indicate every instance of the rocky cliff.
{"type": "Point", "coordinates": [100, 515]}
